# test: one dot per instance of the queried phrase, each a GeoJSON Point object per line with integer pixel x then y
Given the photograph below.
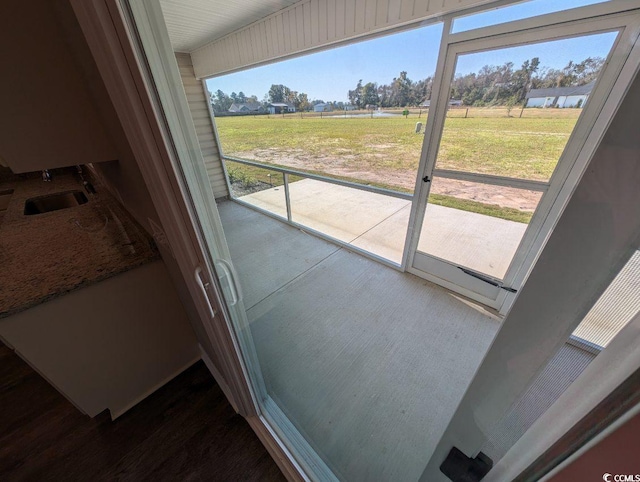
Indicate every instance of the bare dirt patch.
{"type": "Point", "coordinates": [520, 199]}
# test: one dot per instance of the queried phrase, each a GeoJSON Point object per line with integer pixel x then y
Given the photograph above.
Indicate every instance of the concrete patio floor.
{"type": "Point", "coordinates": [378, 224]}
{"type": "Point", "coordinates": [349, 348]}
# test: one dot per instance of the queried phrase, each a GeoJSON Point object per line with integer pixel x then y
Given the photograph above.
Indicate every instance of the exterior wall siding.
{"type": "Point", "coordinates": [574, 100]}
{"type": "Point", "coordinates": [198, 105]}
{"type": "Point", "coordinates": [313, 24]}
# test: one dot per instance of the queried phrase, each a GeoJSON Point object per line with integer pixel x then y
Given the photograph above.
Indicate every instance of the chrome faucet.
{"type": "Point", "coordinates": [46, 175]}
{"type": "Point", "coordinates": [87, 185]}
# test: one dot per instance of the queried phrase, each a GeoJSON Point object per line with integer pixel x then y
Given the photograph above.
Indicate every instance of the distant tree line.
{"type": "Point", "coordinates": [278, 93]}
{"type": "Point", "coordinates": [492, 85]}
{"type": "Point", "coordinates": [221, 101]}
{"type": "Point", "coordinates": [401, 92]}
{"type": "Point", "coordinates": [504, 85]}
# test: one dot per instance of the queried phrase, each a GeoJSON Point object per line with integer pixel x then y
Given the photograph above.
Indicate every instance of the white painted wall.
{"type": "Point", "coordinates": [539, 101]}
{"type": "Point", "coordinates": [48, 118]}
{"type": "Point", "coordinates": [564, 101]}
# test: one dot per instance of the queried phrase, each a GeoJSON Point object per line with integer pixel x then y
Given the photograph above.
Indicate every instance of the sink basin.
{"type": "Point", "coordinates": [54, 202]}
{"type": "Point", "coordinates": [5, 195]}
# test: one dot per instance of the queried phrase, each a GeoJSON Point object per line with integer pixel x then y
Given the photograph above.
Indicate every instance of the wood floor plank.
{"type": "Point", "coordinates": [187, 430]}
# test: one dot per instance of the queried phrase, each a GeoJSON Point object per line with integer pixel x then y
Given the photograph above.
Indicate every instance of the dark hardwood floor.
{"type": "Point", "coordinates": [185, 431]}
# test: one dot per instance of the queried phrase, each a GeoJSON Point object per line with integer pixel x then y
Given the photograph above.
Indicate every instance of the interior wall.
{"type": "Point", "coordinates": [199, 106]}
{"type": "Point", "coordinates": [616, 454]}
{"type": "Point", "coordinates": [123, 177]}
{"type": "Point", "coordinates": [121, 174]}
{"type": "Point", "coordinates": [52, 34]}
{"type": "Point", "coordinates": [48, 118]}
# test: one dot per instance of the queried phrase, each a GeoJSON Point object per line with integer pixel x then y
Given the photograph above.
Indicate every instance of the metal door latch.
{"type": "Point", "coordinates": [460, 468]}
{"type": "Point", "coordinates": [486, 279]}
{"type": "Point", "coordinates": [426, 179]}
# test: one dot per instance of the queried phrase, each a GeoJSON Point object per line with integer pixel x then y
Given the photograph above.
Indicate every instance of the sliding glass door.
{"type": "Point", "coordinates": [356, 367]}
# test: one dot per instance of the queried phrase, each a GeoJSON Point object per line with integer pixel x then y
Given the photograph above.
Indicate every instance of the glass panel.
{"type": "Point", "coordinates": [513, 109]}
{"type": "Point", "coordinates": [349, 112]}
{"type": "Point", "coordinates": [323, 321]}
{"type": "Point", "coordinates": [378, 147]}
{"type": "Point", "coordinates": [616, 307]}
{"type": "Point", "coordinates": [260, 187]}
{"type": "Point", "coordinates": [518, 11]}
{"type": "Point", "coordinates": [364, 126]}
{"type": "Point", "coordinates": [512, 123]}
{"type": "Point", "coordinates": [475, 225]}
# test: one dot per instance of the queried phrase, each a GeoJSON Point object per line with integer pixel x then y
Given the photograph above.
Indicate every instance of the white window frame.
{"type": "Point", "coordinates": [577, 153]}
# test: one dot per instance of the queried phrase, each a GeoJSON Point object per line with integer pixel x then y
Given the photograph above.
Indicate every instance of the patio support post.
{"type": "Point", "coordinates": [285, 178]}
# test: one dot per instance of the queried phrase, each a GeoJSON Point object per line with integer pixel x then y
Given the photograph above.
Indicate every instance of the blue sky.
{"type": "Point", "coordinates": [329, 75]}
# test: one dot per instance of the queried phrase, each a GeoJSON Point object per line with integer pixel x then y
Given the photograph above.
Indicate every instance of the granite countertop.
{"type": "Point", "coordinates": [43, 256]}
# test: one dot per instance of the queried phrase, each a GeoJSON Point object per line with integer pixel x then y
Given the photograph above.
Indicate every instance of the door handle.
{"type": "Point", "coordinates": [457, 466]}
{"type": "Point", "coordinates": [203, 287]}
{"type": "Point", "coordinates": [230, 272]}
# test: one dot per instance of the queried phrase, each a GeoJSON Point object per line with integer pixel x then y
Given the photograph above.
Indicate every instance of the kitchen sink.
{"type": "Point", "coordinates": [54, 202]}
{"type": "Point", "coordinates": [5, 195]}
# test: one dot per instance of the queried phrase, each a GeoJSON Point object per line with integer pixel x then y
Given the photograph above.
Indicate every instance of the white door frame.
{"type": "Point", "coordinates": [576, 22]}
{"type": "Point", "coordinates": [105, 32]}
{"type": "Point", "coordinates": [164, 84]}
{"type": "Point", "coordinates": [114, 46]}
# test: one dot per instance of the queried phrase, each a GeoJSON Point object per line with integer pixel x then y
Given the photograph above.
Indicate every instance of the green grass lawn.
{"type": "Point", "coordinates": [509, 214]}
{"type": "Point", "coordinates": [527, 147]}
{"type": "Point", "coordinates": [385, 151]}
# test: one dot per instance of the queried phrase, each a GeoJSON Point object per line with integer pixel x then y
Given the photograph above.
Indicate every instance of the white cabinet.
{"type": "Point", "coordinates": [109, 345]}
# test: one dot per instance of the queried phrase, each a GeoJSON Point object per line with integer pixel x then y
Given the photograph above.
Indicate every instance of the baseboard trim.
{"type": "Point", "coordinates": [118, 412]}
{"type": "Point", "coordinates": [50, 382]}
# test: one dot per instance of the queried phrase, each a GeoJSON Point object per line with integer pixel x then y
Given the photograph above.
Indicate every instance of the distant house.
{"type": "Point", "coordinates": [562, 97]}
{"type": "Point", "coordinates": [280, 107]}
{"type": "Point", "coordinates": [323, 107]}
{"type": "Point", "coordinates": [452, 103]}
{"type": "Point", "coordinates": [247, 107]}
{"type": "Point", "coordinates": [349, 107]}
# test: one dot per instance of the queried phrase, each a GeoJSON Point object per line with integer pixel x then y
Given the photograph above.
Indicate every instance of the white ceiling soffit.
{"type": "Point", "coordinates": [193, 23]}
{"type": "Point", "coordinates": [312, 24]}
